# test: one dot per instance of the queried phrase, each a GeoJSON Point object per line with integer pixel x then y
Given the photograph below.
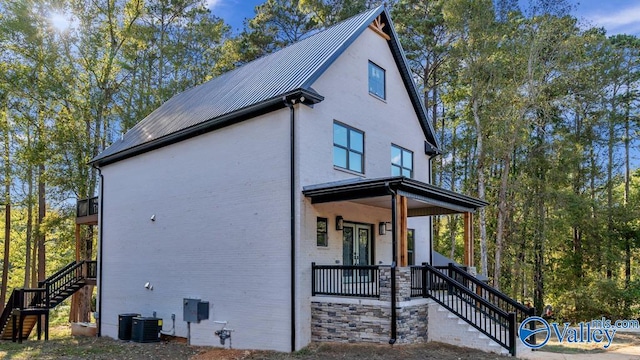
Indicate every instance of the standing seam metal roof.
{"type": "Point", "coordinates": [293, 68]}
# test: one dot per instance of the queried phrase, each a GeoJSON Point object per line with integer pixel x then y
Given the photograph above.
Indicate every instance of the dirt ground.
{"type": "Point", "coordinates": [64, 346]}
{"type": "Point", "coordinates": [430, 351]}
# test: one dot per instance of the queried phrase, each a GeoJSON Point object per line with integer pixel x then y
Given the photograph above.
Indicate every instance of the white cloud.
{"type": "Point", "coordinates": [211, 4]}
{"type": "Point", "coordinates": [626, 20]}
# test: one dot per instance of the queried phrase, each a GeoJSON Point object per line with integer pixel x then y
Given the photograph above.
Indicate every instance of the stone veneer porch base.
{"type": "Point", "coordinates": [350, 320]}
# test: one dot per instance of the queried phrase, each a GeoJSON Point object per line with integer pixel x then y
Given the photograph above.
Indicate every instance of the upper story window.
{"type": "Point", "coordinates": [348, 148]}
{"type": "Point", "coordinates": [401, 162]}
{"type": "Point", "coordinates": [376, 81]}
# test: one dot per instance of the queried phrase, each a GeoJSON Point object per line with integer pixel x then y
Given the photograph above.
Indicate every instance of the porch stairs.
{"type": "Point", "coordinates": [26, 307]}
{"type": "Point", "coordinates": [448, 328]}
{"type": "Point", "coordinates": [465, 311]}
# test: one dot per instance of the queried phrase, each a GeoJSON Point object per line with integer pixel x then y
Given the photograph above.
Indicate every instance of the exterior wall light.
{"type": "Point", "coordinates": [383, 227]}
{"type": "Point", "coordinates": [339, 222]}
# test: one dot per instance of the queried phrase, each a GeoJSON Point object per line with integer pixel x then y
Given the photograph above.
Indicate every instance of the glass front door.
{"type": "Point", "coordinates": [356, 249]}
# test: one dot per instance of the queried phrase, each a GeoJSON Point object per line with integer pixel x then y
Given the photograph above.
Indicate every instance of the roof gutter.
{"type": "Point", "coordinates": [100, 248]}
{"type": "Point", "coordinates": [290, 102]}
{"type": "Point", "coordinates": [306, 96]}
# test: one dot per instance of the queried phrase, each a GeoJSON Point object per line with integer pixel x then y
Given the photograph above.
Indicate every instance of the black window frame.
{"type": "Point", "coordinates": [411, 247]}
{"type": "Point", "coordinates": [349, 148]}
{"type": "Point", "coordinates": [401, 165]}
{"type": "Point", "coordinates": [384, 80]}
{"type": "Point", "coordinates": [319, 232]}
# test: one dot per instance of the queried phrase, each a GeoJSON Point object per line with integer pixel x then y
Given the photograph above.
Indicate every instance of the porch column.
{"type": "Point", "coordinates": [402, 231]}
{"type": "Point", "coordinates": [468, 239]}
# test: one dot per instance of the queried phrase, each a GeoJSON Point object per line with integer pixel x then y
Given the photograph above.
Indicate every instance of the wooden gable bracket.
{"type": "Point", "coordinates": [377, 25]}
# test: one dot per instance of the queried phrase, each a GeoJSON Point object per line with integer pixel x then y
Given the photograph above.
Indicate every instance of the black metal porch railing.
{"type": "Point", "coordinates": [339, 280]}
{"type": "Point", "coordinates": [476, 311]}
{"type": "Point", "coordinates": [491, 294]}
{"type": "Point", "coordinates": [87, 207]}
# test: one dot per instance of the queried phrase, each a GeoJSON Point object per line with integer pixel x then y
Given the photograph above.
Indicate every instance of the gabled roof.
{"type": "Point", "coordinates": [257, 88]}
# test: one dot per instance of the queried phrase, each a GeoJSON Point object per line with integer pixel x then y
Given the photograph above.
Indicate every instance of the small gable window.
{"type": "Point", "coordinates": [376, 81]}
{"type": "Point", "coordinates": [323, 239]}
{"type": "Point", "coordinates": [401, 162]}
{"type": "Point", "coordinates": [348, 148]}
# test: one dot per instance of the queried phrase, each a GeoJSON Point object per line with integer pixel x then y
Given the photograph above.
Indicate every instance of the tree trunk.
{"type": "Point", "coordinates": [41, 215]}
{"type": "Point", "coordinates": [481, 187]}
{"type": "Point", "coordinates": [7, 210]}
{"type": "Point", "coordinates": [29, 277]}
{"type": "Point", "coordinates": [627, 186]}
{"type": "Point", "coordinates": [502, 215]}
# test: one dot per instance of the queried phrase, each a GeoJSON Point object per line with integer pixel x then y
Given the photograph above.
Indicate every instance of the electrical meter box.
{"type": "Point", "coordinates": [195, 310]}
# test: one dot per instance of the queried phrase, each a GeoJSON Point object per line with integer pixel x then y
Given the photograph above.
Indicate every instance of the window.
{"type": "Point", "coordinates": [348, 148]}
{"type": "Point", "coordinates": [376, 81]}
{"type": "Point", "coordinates": [411, 241]}
{"type": "Point", "coordinates": [401, 162]}
{"type": "Point", "coordinates": [323, 239]}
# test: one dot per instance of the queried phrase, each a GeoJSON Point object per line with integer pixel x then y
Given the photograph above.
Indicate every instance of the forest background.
{"type": "Point", "coordinates": [535, 112]}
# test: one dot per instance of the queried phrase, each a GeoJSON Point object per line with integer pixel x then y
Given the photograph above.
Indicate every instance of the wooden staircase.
{"type": "Point", "coordinates": [26, 308]}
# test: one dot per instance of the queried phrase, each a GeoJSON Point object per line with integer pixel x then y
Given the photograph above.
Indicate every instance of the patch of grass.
{"type": "Point", "coordinates": [570, 350]}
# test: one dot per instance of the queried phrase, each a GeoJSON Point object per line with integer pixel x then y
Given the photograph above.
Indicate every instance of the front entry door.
{"type": "Point", "coordinates": [356, 248]}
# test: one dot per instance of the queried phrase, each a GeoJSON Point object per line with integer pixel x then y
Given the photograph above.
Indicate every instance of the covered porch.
{"type": "Point", "coordinates": [399, 200]}
{"type": "Point", "coordinates": [372, 290]}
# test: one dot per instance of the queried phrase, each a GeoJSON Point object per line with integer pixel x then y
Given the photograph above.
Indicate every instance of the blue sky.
{"type": "Point", "coordinates": [617, 16]}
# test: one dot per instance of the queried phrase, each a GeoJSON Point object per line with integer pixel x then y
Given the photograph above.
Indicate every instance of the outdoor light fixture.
{"type": "Point", "coordinates": [383, 227]}
{"type": "Point", "coordinates": [339, 222]}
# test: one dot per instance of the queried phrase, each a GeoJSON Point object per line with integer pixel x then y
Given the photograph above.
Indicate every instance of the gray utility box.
{"type": "Point", "coordinates": [195, 310]}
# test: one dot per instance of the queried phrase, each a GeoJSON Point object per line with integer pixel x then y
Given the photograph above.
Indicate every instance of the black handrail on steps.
{"type": "Point", "coordinates": [495, 323]}
{"type": "Point", "coordinates": [490, 293]}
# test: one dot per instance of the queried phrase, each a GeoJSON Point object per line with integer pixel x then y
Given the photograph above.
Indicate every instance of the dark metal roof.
{"type": "Point", "coordinates": [256, 88]}
{"type": "Point", "coordinates": [437, 200]}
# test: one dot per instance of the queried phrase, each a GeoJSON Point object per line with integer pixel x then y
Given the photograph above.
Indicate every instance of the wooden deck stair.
{"type": "Point", "coordinates": [29, 322]}
{"type": "Point", "coordinates": [28, 305]}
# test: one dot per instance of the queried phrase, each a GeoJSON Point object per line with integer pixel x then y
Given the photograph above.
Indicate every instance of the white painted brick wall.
{"type": "Point", "coordinates": [221, 202]}
{"type": "Point", "coordinates": [345, 88]}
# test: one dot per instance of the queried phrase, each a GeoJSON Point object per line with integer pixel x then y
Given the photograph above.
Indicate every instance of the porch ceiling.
{"type": "Point", "coordinates": [422, 199]}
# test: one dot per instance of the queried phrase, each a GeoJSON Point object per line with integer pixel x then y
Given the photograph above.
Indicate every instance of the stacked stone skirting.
{"type": "Point", "coordinates": [353, 320]}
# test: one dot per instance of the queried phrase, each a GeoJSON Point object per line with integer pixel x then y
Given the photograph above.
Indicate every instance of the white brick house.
{"type": "Point", "coordinates": [231, 190]}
